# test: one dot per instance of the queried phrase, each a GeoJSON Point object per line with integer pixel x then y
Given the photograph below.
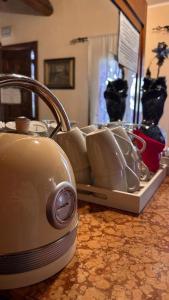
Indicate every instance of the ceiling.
{"type": "Point", "coordinates": [33, 7]}
{"type": "Point", "coordinates": [154, 2]}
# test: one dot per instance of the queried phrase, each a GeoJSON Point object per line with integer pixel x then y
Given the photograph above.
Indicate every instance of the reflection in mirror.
{"type": "Point", "coordinates": [108, 79]}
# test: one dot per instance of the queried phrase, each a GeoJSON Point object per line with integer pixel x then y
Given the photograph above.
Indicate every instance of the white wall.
{"type": "Point", "coordinates": [71, 19]}
{"type": "Point", "coordinates": [158, 15]}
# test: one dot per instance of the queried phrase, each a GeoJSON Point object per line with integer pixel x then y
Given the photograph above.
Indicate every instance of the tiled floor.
{"type": "Point", "coordinates": [119, 256]}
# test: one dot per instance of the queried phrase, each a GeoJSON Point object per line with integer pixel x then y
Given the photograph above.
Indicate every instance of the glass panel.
{"type": "Point", "coordinates": [32, 55]}
{"type": "Point", "coordinates": [33, 94]}
{"type": "Point", "coordinates": [32, 70]}
{"type": "Point", "coordinates": [130, 76]}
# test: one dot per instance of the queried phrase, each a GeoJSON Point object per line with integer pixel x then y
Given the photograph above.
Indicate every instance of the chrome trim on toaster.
{"type": "Point", "coordinates": [29, 260]}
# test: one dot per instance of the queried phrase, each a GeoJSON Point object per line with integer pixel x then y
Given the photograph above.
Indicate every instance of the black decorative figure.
{"type": "Point", "coordinates": [154, 96]}
{"type": "Point", "coordinates": [115, 96]}
{"type": "Point", "coordinates": [153, 99]}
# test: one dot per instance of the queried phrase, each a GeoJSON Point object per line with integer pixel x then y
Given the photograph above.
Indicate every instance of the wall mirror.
{"type": "Point", "coordinates": [112, 57]}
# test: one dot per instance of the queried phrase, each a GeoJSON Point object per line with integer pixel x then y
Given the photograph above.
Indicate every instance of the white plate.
{"type": "Point", "coordinates": [35, 126]}
{"type": "Point", "coordinates": [53, 125]}
{"type": "Point", "coordinates": [10, 125]}
{"type": "Point", "coordinates": [2, 125]}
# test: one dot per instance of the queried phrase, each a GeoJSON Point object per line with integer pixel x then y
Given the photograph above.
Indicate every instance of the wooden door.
{"type": "Point", "coordinates": [18, 59]}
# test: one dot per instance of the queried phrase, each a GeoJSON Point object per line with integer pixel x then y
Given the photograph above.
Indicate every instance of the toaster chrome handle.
{"type": "Point", "coordinates": [43, 92]}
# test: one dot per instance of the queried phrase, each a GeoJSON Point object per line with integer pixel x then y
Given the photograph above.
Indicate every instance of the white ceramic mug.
{"type": "Point", "coordinates": [73, 144]}
{"type": "Point", "coordinates": [89, 128]}
{"type": "Point", "coordinates": [131, 154]}
{"type": "Point", "coordinates": [51, 125]}
{"type": "Point", "coordinates": [108, 164]}
{"type": "Point", "coordinates": [114, 124]}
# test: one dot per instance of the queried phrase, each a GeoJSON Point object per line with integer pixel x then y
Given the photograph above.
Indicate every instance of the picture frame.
{"type": "Point", "coordinates": [59, 73]}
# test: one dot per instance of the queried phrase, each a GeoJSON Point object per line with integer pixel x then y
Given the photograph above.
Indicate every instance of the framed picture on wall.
{"type": "Point", "coordinates": [59, 73]}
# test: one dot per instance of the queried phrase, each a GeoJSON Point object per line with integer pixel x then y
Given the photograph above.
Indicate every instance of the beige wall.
{"type": "Point", "coordinates": [158, 16]}
{"type": "Point", "coordinates": [71, 19]}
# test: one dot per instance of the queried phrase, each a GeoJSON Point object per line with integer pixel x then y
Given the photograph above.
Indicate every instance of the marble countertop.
{"type": "Point", "coordinates": [119, 256]}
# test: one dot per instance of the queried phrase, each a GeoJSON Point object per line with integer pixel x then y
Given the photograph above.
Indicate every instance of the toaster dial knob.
{"type": "Point", "coordinates": [61, 205]}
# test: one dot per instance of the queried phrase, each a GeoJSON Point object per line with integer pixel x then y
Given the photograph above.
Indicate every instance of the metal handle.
{"type": "Point", "coordinates": [133, 181]}
{"type": "Point", "coordinates": [122, 139]}
{"type": "Point", "coordinates": [43, 92]}
{"type": "Point", "coordinates": [144, 145]}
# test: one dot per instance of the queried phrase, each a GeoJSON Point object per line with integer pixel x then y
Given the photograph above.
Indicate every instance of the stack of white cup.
{"type": "Point", "coordinates": [109, 167]}
{"type": "Point", "coordinates": [103, 157]}
{"type": "Point", "coordinates": [73, 144]}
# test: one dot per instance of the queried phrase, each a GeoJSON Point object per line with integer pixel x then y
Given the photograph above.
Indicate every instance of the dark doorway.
{"type": "Point", "coordinates": [19, 59]}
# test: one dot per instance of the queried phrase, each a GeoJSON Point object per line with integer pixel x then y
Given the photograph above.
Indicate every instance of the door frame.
{"type": "Point", "coordinates": [27, 46]}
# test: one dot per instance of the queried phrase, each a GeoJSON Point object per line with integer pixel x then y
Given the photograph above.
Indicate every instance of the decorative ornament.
{"type": "Point", "coordinates": [162, 28]}
{"type": "Point", "coordinates": [162, 53]}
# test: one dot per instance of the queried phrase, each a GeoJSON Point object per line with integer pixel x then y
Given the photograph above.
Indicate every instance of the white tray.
{"type": "Point", "coordinates": [165, 160]}
{"type": "Point", "coordinates": [132, 202]}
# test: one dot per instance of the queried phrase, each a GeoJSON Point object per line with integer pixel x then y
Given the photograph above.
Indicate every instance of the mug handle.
{"type": "Point", "coordinates": [124, 140]}
{"type": "Point", "coordinates": [144, 170]}
{"type": "Point", "coordinates": [84, 134]}
{"type": "Point", "coordinates": [134, 178]}
{"type": "Point", "coordinates": [140, 140]}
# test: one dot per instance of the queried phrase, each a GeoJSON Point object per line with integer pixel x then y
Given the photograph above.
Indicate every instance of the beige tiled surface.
{"type": "Point", "coordinates": [119, 256]}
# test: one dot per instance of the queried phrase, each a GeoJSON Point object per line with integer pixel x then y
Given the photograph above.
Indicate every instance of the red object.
{"type": "Point", "coordinates": [151, 155]}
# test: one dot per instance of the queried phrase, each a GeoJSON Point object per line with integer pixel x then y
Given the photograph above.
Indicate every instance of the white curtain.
{"type": "Point", "coordinates": [102, 67]}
